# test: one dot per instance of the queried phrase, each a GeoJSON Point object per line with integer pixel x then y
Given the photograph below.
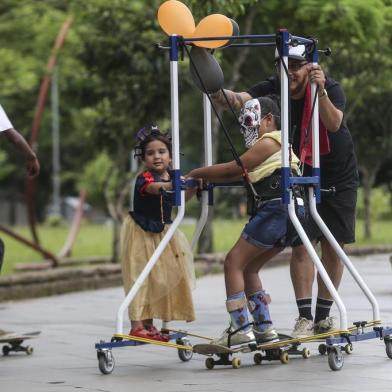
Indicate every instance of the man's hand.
{"type": "Point", "coordinates": [316, 75]}
{"type": "Point", "coordinates": [32, 167]}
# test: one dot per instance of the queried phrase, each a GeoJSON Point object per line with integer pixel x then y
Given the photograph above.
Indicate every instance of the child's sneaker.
{"type": "Point", "coordinates": [302, 328]}
{"type": "Point", "coordinates": [269, 335]}
{"type": "Point", "coordinates": [324, 326]}
{"type": "Point", "coordinates": [240, 338]}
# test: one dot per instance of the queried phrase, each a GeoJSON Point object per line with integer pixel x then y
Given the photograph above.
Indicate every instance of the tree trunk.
{"type": "Point", "coordinates": [116, 241]}
{"type": "Point", "coordinates": [368, 179]}
{"type": "Point", "coordinates": [206, 240]}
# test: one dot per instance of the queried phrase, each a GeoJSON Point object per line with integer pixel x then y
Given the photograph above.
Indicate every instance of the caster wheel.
{"type": "Point", "coordinates": [348, 348]}
{"type": "Point", "coordinates": [29, 350]}
{"type": "Point", "coordinates": [322, 348]}
{"type": "Point", "coordinates": [6, 350]}
{"type": "Point", "coordinates": [335, 359]}
{"type": "Point", "coordinates": [236, 363]}
{"type": "Point", "coordinates": [284, 357]}
{"type": "Point", "coordinates": [258, 358]}
{"type": "Point", "coordinates": [388, 348]}
{"type": "Point", "coordinates": [210, 363]}
{"type": "Point", "coordinates": [185, 355]}
{"type": "Point", "coordinates": [305, 353]}
{"type": "Point", "coordinates": [106, 362]}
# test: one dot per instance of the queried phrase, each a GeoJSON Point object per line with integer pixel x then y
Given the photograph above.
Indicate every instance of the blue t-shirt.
{"type": "Point", "coordinates": [150, 212]}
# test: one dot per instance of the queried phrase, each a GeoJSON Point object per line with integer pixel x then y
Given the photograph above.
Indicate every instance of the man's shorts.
{"type": "Point", "coordinates": [270, 227]}
{"type": "Point", "coordinates": [338, 213]}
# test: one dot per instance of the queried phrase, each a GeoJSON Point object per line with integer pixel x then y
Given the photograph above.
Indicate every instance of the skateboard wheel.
{"type": "Point", "coordinates": [322, 348]}
{"type": "Point", "coordinates": [236, 363]}
{"type": "Point", "coordinates": [105, 362]}
{"type": "Point", "coordinates": [305, 353]}
{"type": "Point", "coordinates": [284, 357]}
{"type": "Point", "coordinates": [210, 363]}
{"type": "Point", "coordinates": [335, 358]}
{"type": "Point", "coordinates": [6, 350]}
{"type": "Point", "coordinates": [348, 348]}
{"type": "Point", "coordinates": [258, 358]}
{"type": "Point", "coordinates": [184, 355]}
{"type": "Point", "coordinates": [29, 350]}
{"type": "Point", "coordinates": [388, 348]}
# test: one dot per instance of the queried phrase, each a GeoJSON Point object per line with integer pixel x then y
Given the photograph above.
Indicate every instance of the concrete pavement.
{"type": "Point", "coordinates": [65, 358]}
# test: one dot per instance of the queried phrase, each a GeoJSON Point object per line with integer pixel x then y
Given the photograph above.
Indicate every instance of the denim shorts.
{"type": "Point", "coordinates": [270, 227]}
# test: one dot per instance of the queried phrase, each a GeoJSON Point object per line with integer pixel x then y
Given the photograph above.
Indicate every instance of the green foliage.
{"type": "Point", "coordinates": [230, 8]}
{"type": "Point", "coordinates": [113, 81]}
{"type": "Point", "coordinates": [6, 168]}
{"type": "Point", "coordinates": [94, 177]}
{"type": "Point", "coordinates": [380, 205]}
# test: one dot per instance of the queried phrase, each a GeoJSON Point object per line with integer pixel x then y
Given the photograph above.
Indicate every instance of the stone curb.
{"type": "Point", "coordinates": [62, 280]}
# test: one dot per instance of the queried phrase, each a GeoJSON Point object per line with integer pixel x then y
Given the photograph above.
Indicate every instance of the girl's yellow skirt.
{"type": "Point", "coordinates": [166, 292]}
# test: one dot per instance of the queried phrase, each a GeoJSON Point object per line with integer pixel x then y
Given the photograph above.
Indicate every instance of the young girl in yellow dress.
{"type": "Point", "coordinates": [166, 292]}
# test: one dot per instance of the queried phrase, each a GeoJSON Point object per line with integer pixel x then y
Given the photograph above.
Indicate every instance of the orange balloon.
{"type": "Point", "coordinates": [215, 25]}
{"type": "Point", "coordinates": [175, 17]}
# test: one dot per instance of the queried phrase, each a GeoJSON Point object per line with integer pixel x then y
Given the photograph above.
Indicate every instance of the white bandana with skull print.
{"type": "Point", "coordinates": [250, 119]}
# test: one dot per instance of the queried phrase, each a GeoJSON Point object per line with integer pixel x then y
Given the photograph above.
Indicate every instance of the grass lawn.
{"type": "Point", "coordinates": [94, 240]}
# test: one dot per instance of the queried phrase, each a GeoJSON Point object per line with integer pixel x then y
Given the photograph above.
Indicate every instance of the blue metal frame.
{"type": "Point", "coordinates": [378, 332]}
{"type": "Point", "coordinates": [124, 343]}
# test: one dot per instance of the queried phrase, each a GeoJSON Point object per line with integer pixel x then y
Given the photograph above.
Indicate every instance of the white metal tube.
{"type": "Point", "coordinates": [174, 115]}
{"type": "Point", "coordinates": [315, 128]}
{"type": "Point", "coordinates": [284, 104]}
{"type": "Point", "coordinates": [181, 208]}
{"type": "Point", "coordinates": [319, 265]}
{"type": "Point", "coordinates": [153, 259]}
{"type": "Point", "coordinates": [343, 257]}
{"type": "Point", "coordinates": [207, 162]}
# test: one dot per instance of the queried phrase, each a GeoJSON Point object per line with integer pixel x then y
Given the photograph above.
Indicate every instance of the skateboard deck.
{"type": "Point", "coordinates": [211, 349]}
{"type": "Point", "coordinates": [151, 341]}
{"type": "Point", "coordinates": [15, 341]}
{"type": "Point", "coordinates": [14, 337]}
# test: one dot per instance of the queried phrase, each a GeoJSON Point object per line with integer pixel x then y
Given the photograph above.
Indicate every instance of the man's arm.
{"type": "Point", "coordinates": [330, 115]}
{"type": "Point", "coordinates": [236, 100]}
{"type": "Point", "coordinates": [31, 160]}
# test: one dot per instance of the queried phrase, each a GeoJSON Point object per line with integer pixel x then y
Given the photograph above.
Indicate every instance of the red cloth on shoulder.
{"type": "Point", "coordinates": [305, 141]}
{"type": "Point", "coordinates": [148, 178]}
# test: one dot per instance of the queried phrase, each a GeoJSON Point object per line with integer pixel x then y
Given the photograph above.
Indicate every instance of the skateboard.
{"type": "Point", "coordinates": [278, 350]}
{"type": "Point", "coordinates": [223, 353]}
{"type": "Point", "coordinates": [15, 341]}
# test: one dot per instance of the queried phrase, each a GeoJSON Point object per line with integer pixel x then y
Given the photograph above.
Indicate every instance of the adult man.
{"type": "Point", "coordinates": [31, 160]}
{"type": "Point", "coordinates": [338, 168]}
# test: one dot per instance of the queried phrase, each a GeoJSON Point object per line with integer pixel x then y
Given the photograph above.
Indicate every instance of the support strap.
{"type": "Point", "coordinates": [235, 304]}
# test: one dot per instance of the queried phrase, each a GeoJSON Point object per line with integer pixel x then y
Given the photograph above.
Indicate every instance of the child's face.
{"type": "Point", "coordinates": [157, 156]}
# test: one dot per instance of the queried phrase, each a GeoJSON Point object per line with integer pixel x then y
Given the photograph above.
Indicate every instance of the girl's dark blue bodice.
{"type": "Point", "coordinates": [150, 212]}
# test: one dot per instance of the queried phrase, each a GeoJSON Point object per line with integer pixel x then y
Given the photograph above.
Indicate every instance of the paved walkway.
{"type": "Point", "coordinates": [65, 358]}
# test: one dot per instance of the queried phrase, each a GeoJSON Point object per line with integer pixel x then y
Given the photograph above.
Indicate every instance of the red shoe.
{"type": "Point", "coordinates": [154, 330]}
{"type": "Point", "coordinates": [141, 332]}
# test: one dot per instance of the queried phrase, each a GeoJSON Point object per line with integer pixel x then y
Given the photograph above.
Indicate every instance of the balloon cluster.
{"type": "Point", "coordinates": [175, 17]}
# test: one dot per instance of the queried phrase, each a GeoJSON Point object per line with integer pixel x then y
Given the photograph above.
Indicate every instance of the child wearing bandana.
{"type": "Point", "coordinates": [269, 229]}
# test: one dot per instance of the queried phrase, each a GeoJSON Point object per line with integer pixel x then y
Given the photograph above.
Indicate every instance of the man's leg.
{"type": "Point", "coordinates": [334, 268]}
{"type": "Point", "coordinates": [338, 213]}
{"type": "Point", "coordinates": [302, 277]}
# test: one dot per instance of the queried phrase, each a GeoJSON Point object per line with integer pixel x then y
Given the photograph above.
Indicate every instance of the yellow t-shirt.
{"type": "Point", "coordinates": [274, 162]}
